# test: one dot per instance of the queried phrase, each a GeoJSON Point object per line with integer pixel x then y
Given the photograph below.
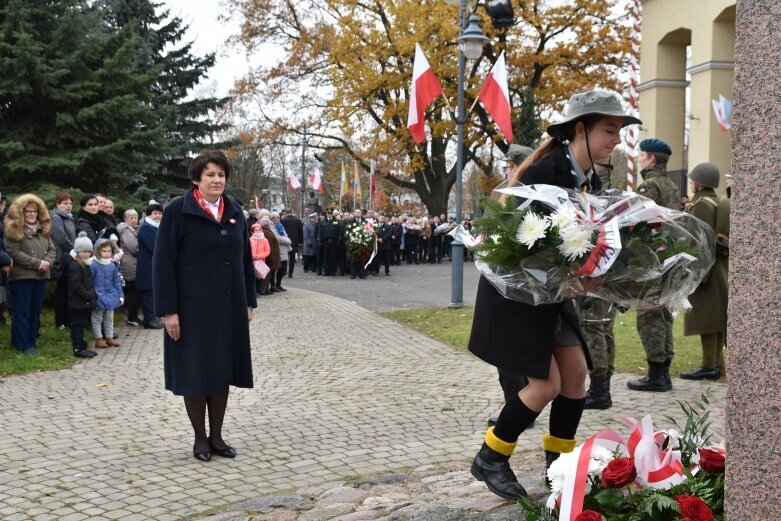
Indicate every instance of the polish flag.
{"type": "Point", "coordinates": [295, 184]}
{"type": "Point", "coordinates": [425, 88]}
{"type": "Point", "coordinates": [316, 180]}
{"type": "Point", "coordinates": [496, 98]}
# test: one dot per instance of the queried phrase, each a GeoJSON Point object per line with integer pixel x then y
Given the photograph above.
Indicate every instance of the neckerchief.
{"type": "Point", "coordinates": [202, 203]}
{"type": "Point", "coordinates": [576, 184]}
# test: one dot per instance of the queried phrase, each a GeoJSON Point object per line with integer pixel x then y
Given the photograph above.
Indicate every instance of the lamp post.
{"type": "Point", "coordinates": [470, 45]}
{"type": "Point", "coordinates": [304, 141]}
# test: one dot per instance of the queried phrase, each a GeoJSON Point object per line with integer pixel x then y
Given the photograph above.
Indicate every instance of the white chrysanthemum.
{"type": "Point", "coordinates": [600, 457]}
{"type": "Point", "coordinates": [568, 462]}
{"type": "Point", "coordinates": [532, 229]}
{"type": "Point", "coordinates": [563, 217]}
{"type": "Point", "coordinates": [674, 438]}
{"type": "Point", "coordinates": [576, 242]}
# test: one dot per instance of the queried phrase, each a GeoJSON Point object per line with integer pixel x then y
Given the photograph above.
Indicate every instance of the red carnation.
{"type": "Point", "coordinates": [712, 460]}
{"type": "Point", "coordinates": [619, 473]}
{"type": "Point", "coordinates": [589, 515]}
{"type": "Point", "coordinates": [694, 508]}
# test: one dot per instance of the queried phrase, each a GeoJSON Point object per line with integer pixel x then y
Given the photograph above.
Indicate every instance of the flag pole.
{"type": "Point", "coordinates": [355, 176]}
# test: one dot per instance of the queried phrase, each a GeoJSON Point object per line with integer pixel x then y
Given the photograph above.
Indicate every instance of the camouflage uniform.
{"type": "Point", "coordinates": [596, 320]}
{"type": "Point", "coordinates": [655, 327]}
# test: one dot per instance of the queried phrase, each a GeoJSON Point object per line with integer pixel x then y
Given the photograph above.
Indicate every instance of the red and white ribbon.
{"type": "Point", "coordinates": [656, 468]}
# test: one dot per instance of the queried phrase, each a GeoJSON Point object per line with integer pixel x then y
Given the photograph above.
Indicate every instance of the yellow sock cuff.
{"type": "Point", "coordinates": [554, 444]}
{"type": "Point", "coordinates": [500, 446]}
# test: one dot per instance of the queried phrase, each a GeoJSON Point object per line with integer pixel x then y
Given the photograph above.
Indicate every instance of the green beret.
{"type": "Point", "coordinates": [655, 145]}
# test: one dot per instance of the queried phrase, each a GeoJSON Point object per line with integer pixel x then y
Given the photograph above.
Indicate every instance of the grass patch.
{"type": "Point", "coordinates": [452, 326]}
{"type": "Point", "coordinates": [54, 348]}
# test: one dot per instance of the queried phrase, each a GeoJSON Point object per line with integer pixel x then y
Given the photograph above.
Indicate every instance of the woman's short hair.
{"type": "Point", "coordinates": [62, 196]}
{"type": "Point", "coordinates": [198, 165]}
{"type": "Point", "coordinates": [87, 198]}
{"type": "Point", "coordinates": [154, 208]}
{"type": "Point", "coordinates": [129, 212]}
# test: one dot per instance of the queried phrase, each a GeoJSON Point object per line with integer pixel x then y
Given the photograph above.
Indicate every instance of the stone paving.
{"type": "Point", "coordinates": [340, 394]}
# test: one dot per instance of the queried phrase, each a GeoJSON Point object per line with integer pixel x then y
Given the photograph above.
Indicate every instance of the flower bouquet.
{"type": "Point", "coordinates": [546, 244]}
{"type": "Point", "coordinates": [360, 241]}
{"type": "Point", "coordinates": [654, 476]}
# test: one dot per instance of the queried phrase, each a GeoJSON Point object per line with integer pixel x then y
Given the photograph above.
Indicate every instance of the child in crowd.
{"type": "Point", "coordinates": [260, 250]}
{"type": "Point", "coordinates": [81, 293]}
{"type": "Point", "coordinates": [109, 289]}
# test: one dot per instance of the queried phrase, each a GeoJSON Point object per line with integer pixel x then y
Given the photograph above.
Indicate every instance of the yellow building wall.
{"type": "Point", "coordinates": [668, 26]}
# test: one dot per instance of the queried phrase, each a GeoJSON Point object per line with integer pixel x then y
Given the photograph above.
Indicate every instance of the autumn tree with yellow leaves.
{"type": "Point", "coordinates": [347, 66]}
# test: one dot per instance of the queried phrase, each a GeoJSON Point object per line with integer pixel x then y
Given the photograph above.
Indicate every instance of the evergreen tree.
{"type": "Point", "coordinates": [75, 110]}
{"type": "Point", "coordinates": [186, 120]}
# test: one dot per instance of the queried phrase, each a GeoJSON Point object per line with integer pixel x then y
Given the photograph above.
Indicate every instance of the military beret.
{"type": "Point", "coordinates": [517, 153]}
{"type": "Point", "coordinates": [655, 145]}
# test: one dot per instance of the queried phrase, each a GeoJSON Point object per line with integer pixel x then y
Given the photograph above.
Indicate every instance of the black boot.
{"type": "Point", "coordinates": [654, 381]}
{"type": "Point", "coordinates": [494, 469]}
{"type": "Point", "coordinates": [81, 351]}
{"type": "Point", "coordinates": [667, 378]}
{"type": "Point", "coordinates": [598, 394]}
{"type": "Point", "coordinates": [702, 373]}
{"type": "Point", "coordinates": [550, 457]}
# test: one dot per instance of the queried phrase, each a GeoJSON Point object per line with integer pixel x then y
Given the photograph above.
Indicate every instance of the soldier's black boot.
{"type": "Point", "coordinates": [493, 468]}
{"type": "Point", "coordinates": [667, 377]}
{"type": "Point", "coordinates": [598, 394]}
{"type": "Point", "coordinates": [702, 373]}
{"type": "Point", "coordinates": [654, 381]}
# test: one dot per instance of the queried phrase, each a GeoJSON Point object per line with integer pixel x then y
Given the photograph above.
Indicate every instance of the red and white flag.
{"type": "Point", "coordinates": [295, 184]}
{"type": "Point", "coordinates": [316, 180]}
{"type": "Point", "coordinates": [496, 98]}
{"type": "Point", "coordinates": [425, 88]}
{"type": "Point", "coordinates": [372, 182]}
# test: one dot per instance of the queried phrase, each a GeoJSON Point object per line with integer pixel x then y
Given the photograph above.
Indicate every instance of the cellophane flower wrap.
{"type": "Point", "coordinates": [653, 475]}
{"type": "Point", "coordinates": [359, 240]}
{"type": "Point", "coordinates": [545, 244]}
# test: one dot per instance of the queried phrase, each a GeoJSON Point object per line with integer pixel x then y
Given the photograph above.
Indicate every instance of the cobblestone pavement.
{"type": "Point", "coordinates": [340, 393]}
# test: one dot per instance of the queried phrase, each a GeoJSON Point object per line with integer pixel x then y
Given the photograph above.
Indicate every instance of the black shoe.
{"type": "Point", "coordinates": [202, 456]}
{"type": "Point", "coordinates": [387, 274]}
{"type": "Point", "coordinates": [492, 421]}
{"type": "Point", "coordinates": [550, 457]}
{"type": "Point", "coordinates": [361, 276]}
{"type": "Point", "coordinates": [280, 288]}
{"type": "Point", "coordinates": [155, 324]}
{"type": "Point", "coordinates": [352, 276]}
{"type": "Point", "coordinates": [654, 381]}
{"type": "Point", "coordinates": [702, 374]}
{"type": "Point", "coordinates": [84, 353]}
{"type": "Point", "coordinates": [133, 322]}
{"type": "Point", "coordinates": [598, 394]}
{"type": "Point", "coordinates": [225, 452]}
{"type": "Point", "coordinates": [494, 470]}
{"type": "Point", "coordinates": [273, 290]}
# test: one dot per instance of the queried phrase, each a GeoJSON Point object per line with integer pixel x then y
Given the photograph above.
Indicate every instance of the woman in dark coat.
{"type": "Point", "coordinates": [89, 220]}
{"type": "Point", "coordinates": [543, 342]}
{"type": "Point", "coordinates": [205, 289]}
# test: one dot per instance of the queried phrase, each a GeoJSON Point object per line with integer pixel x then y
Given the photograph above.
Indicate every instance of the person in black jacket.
{"type": "Point", "coordinates": [543, 342]}
{"type": "Point", "coordinates": [328, 237]}
{"type": "Point", "coordinates": [397, 230]}
{"type": "Point", "coordinates": [383, 230]}
{"type": "Point", "coordinates": [82, 297]}
{"type": "Point", "coordinates": [294, 228]}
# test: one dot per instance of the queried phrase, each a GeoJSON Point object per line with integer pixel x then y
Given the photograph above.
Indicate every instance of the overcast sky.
{"type": "Point", "coordinates": [209, 35]}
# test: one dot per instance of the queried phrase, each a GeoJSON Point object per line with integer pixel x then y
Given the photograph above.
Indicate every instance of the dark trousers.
{"type": "Point", "coordinates": [80, 319]}
{"type": "Point", "coordinates": [395, 253]}
{"type": "Point", "coordinates": [329, 256]}
{"type": "Point", "coordinates": [357, 269]}
{"type": "Point", "coordinates": [26, 306]}
{"type": "Point", "coordinates": [291, 263]}
{"type": "Point", "coordinates": [61, 301]}
{"type": "Point", "coordinates": [148, 305]}
{"type": "Point", "coordinates": [279, 274]}
{"type": "Point", "coordinates": [310, 262]}
{"type": "Point", "coordinates": [412, 253]}
{"type": "Point", "coordinates": [382, 258]}
{"type": "Point", "coordinates": [436, 250]}
{"type": "Point", "coordinates": [132, 300]}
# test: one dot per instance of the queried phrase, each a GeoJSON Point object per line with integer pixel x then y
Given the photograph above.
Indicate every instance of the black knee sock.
{"type": "Point", "coordinates": [565, 416]}
{"type": "Point", "coordinates": [513, 420]}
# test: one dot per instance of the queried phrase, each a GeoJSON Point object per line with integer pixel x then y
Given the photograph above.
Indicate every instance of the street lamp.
{"type": "Point", "coordinates": [304, 141]}
{"type": "Point", "coordinates": [470, 45]}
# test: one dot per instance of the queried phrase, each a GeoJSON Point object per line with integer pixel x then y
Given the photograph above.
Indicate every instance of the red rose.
{"type": "Point", "coordinates": [712, 460]}
{"type": "Point", "coordinates": [619, 473]}
{"type": "Point", "coordinates": [589, 515]}
{"type": "Point", "coordinates": [694, 508]}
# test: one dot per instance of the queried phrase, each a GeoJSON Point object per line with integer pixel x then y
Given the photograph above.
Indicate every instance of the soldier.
{"type": "Point", "coordinates": [655, 326]}
{"type": "Point", "coordinates": [708, 317]}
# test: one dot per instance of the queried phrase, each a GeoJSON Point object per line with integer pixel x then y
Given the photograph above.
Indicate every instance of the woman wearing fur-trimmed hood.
{"type": "Point", "coordinates": [28, 229]}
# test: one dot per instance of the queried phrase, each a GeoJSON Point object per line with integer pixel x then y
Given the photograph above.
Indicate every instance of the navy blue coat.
{"type": "Point", "coordinates": [147, 235]}
{"type": "Point", "coordinates": [203, 271]}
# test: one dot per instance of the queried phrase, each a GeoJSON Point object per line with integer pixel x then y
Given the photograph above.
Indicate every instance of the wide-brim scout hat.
{"type": "Point", "coordinates": [592, 103]}
{"type": "Point", "coordinates": [517, 153]}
